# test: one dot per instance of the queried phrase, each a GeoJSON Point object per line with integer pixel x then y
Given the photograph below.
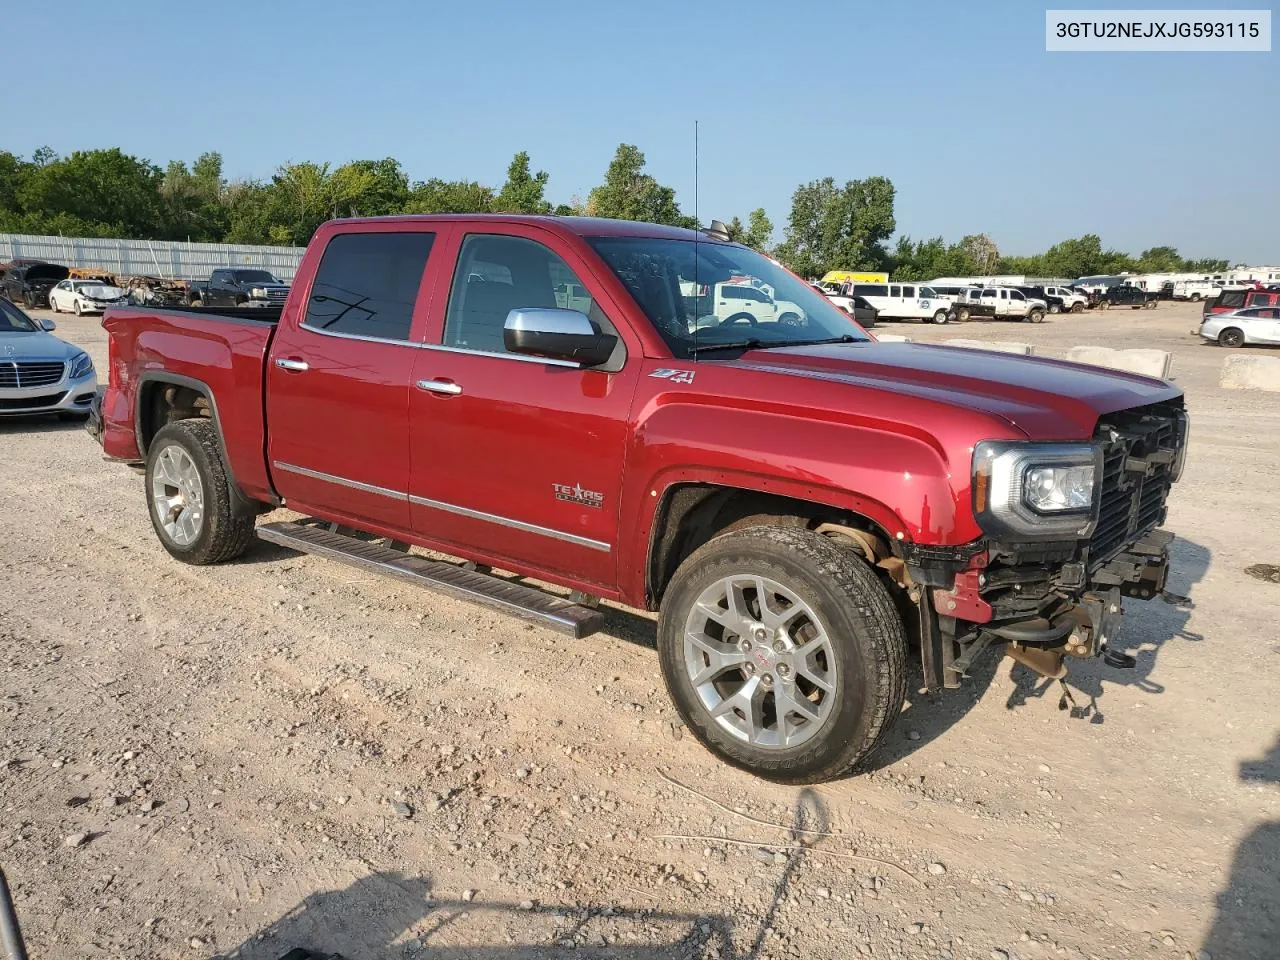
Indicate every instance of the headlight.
{"type": "Point", "coordinates": [259, 292]}
{"type": "Point", "coordinates": [1036, 491]}
{"type": "Point", "coordinates": [81, 366]}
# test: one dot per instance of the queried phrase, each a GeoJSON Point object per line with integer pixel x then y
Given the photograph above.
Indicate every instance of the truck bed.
{"type": "Point", "coordinates": [220, 351]}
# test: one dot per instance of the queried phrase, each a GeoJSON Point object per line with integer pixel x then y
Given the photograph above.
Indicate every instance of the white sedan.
{"type": "Point", "coordinates": [84, 296]}
{"type": "Point", "coordinates": [1250, 325]}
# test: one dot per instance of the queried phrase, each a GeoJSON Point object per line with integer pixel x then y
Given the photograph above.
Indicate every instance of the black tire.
{"type": "Point", "coordinates": [1195, 298]}
{"type": "Point", "coordinates": [1232, 337]}
{"type": "Point", "coordinates": [1103, 304]}
{"type": "Point", "coordinates": [1055, 308]}
{"type": "Point", "coordinates": [53, 304]}
{"type": "Point", "coordinates": [940, 316]}
{"type": "Point", "coordinates": [223, 535]}
{"type": "Point", "coordinates": [1036, 315]}
{"type": "Point", "coordinates": [1077, 308]}
{"type": "Point", "coordinates": [75, 308]}
{"type": "Point", "coordinates": [859, 616]}
{"type": "Point", "coordinates": [28, 301]}
{"type": "Point", "coordinates": [962, 315]}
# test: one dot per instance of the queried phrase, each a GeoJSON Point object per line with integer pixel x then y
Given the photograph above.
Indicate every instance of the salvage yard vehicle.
{"type": "Point", "coordinates": [1196, 290]}
{"type": "Point", "coordinates": [904, 301]}
{"type": "Point", "coordinates": [1125, 295]}
{"type": "Point", "coordinates": [799, 503]}
{"type": "Point", "coordinates": [1231, 300]}
{"type": "Point", "coordinates": [967, 302]}
{"type": "Point", "coordinates": [1058, 299]}
{"type": "Point", "coordinates": [1007, 302]}
{"type": "Point", "coordinates": [1252, 325]}
{"type": "Point", "coordinates": [236, 287]}
{"type": "Point", "coordinates": [40, 373]}
{"type": "Point", "coordinates": [30, 284]}
{"type": "Point", "coordinates": [85, 296]}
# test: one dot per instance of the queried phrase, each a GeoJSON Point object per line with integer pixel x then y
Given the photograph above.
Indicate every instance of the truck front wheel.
{"type": "Point", "coordinates": [940, 316]}
{"type": "Point", "coordinates": [189, 495]}
{"type": "Point", "coordinates": [784, 654]}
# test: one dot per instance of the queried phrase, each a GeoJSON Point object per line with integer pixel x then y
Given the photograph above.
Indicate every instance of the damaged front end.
{"type": "Point", "coordinates": [1072, 531]}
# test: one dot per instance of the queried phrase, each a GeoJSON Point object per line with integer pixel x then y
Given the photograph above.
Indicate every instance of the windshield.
{"type": "Point", "coordinates": [698, 295]}
{"type": "Point", "coordinates": [13, 320]}
{"type": "Point", "coordinates": [255, 276]}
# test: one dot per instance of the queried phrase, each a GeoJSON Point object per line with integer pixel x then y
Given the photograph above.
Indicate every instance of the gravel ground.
{"type": "Point", "coordinates": [280, 752]}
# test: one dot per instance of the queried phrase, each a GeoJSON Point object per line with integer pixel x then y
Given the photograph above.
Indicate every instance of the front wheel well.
{"type": "Point", "coordinates": [693, 513]}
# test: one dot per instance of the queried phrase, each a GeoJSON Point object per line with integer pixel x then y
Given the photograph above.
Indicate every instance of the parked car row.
{"type": "Point", "coordinates": [37, 284]}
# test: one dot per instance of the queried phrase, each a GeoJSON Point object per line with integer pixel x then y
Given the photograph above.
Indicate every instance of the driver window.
{"type": "Point", "coordinates": [497, 274]}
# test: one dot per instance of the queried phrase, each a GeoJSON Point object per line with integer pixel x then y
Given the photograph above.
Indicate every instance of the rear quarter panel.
{"type": "Point", "coordinates": [224, 354]}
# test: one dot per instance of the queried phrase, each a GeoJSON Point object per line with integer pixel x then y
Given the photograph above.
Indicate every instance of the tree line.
{"type": "Point", "coordinates": [108, 193]}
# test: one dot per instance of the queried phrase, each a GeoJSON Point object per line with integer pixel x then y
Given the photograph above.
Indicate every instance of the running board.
{"type": "Point", "coordinates": [516, 599]}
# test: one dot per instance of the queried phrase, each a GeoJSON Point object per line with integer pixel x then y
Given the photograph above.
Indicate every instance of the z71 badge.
{"type": "Point", "coordinates": [675, 376]}
{"type": "Point", "coordinates": [576, 494]}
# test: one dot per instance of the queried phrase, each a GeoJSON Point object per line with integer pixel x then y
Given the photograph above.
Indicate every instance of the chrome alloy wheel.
{"type": "Point", "coordinates": [177, 495]}
{"type": "Point", "coordinates": [760, 661]}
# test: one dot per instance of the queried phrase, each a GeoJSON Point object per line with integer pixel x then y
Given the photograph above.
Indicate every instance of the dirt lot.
{"type": "Point", "coordinates": [279, 752]}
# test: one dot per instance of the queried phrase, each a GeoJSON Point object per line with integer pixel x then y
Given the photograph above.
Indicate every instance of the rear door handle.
{"type": "Point", "coordinates": [296, 366]}
{"type": "Point", "coordinates": [446, 387]}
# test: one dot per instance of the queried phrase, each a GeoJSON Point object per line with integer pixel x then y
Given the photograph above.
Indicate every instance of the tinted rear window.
{"type": "Point", "coordinates": [871, 289]}
{"type": "Point", "coordinates": [367, 284]}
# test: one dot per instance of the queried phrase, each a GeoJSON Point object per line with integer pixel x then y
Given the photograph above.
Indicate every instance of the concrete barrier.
{"type": "Point", "coordinates": [1251, 373]}
{"type": "Point", "coordinates": [890, 338]}
{"type": "Point", "coordinates": [998, 346]}
{"type": "Point", "coordinates": [1149, 363]}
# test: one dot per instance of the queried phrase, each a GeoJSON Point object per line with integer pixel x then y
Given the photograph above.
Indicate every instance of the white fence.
{"type": "Point", "coordinates": [166, 258]}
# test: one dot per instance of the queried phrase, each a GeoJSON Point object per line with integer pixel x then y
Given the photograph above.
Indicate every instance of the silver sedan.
{"type": "Point", "coordinates": [1252, 325]}
{"type": "Point", "coordinates": [40, 373]}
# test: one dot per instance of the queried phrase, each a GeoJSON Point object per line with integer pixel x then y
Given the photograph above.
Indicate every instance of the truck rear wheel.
{"type": "Point", "coordinates": [784, 654]}
{"type": "Point", "coordinates": [189, 495]}
{"type": "Point", "coordinates": [962, 314]}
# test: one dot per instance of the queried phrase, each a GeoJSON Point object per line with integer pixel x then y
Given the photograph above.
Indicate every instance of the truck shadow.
{"type": "Point", "coordinates": [1247, 923]}
{"type": "Point", "coordinates": [388, 914]}
{"type": "Point", "coordinates": [1148, 627]}
{"type": "Point", "coordinates": [38, 423]}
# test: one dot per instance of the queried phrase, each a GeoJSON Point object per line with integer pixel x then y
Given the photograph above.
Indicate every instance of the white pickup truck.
{"type": "Point", "coordinates": [1014, 303]}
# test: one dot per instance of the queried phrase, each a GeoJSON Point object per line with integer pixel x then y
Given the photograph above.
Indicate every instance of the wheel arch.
{"type": "Point", "coordinates": [691, 513]}
{"type": "Point", "coordinates": [164, 397]}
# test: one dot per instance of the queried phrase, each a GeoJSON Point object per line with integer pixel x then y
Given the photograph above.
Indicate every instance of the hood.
{"type": "Point", "coordinates": [46, 273]}
{"type": "Point", "coordinates": [103, 292]}
{"type": "Point", "coordinates": [1045, 399]}
{"type": "Point", "coordinates": [34, 346]}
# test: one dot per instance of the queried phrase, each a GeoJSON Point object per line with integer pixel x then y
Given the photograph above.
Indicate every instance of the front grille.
{"type": "Point", "coordinates": [1138, 447]}
{"type": "Point", "coordinates": [30, 403]}
{"type": "Point", "coordinates": [34, 374]}
{"type": "Point", "coordinates": [277, 296]}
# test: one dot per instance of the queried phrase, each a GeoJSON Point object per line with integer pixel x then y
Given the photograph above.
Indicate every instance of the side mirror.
{"type": "Point", "coordinates": [557, 334]}
{"type": "Point", "coordinates": [47, 324]}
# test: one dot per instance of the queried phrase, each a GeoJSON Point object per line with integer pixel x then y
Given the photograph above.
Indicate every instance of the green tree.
{"type": "Point", "coordinates": [928, 259]}
{"type": "Point", "coordinates": [1204, 265]}
{"type": "Point", "coordinates": [109, 191]}
{"type": "Point", "coordinates": [628, 193]}
{"type": "Point", "coordinates": [193, 205]}
{"type": "Point", "coordinates": [523, 191]}
{"type": "Point", "coordinates": [450, 196]}
{"type": "Point", "coordinates": [759, 230]}
{"type": "Point", "coordinates": [839, 228]}
{"type": "Point", "coordinates": [368, 188]}
{"type": "Point", "coordinates": [982, 252]}
{"type": "Point", "coordinates": [1160, 260]}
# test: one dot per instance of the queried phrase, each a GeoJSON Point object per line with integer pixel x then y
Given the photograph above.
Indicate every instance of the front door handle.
{"type": "Point", "coordinates": [296, 366]}
{"type": "Point", "coordinates": [445, 387]}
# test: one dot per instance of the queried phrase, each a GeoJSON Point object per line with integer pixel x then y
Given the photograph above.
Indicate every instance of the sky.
{"type": "Point", "coordinates": [980, 129]}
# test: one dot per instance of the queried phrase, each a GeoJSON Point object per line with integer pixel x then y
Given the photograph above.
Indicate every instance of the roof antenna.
{"type": "Point", "coordinates": [697, 227]}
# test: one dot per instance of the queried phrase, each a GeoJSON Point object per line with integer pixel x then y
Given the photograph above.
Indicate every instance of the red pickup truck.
{"type": "Point", "coordinates": [544, 396]}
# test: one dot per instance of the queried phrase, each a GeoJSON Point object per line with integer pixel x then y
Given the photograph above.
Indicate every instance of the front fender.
{"type": "Point", "coordinates": [898, 480]}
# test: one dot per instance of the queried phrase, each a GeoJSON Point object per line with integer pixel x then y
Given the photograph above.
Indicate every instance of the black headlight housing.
{"type": "Point", "coordinates": [1027, 491]}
